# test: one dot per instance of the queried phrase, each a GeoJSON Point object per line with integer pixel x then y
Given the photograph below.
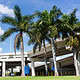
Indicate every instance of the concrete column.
{"type": "Point", "coordinates": [3, 69]}
{"type": "Point", "coordinates": [33, 68]}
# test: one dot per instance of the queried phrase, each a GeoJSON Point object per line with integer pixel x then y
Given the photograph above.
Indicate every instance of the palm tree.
{"type": "Point", "coordinates": [20, 25]}
{"type": "Point", "coordinates": [46, 27]}
{"type": "Point", "coordinates": [74, 44]}
{"type": "Point", "coordinates": [38, 37]}
{"type": "Point", "coordinates": [70, 25]}
{"type": "Point", "coordinates": [54, 14]}
{"type": "Point", "coordinates": [51, 20]}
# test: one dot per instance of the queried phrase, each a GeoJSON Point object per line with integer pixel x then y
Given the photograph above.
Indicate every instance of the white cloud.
{"type": "Point", "coordinates": [1, 31]}
{"type": "Point", "coordinates": [4, 10]}
{"type": "Point", "coordinates": [0, 49]}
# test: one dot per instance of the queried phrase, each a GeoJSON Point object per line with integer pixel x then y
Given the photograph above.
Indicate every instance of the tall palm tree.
{"type": "Point", "coordinates": [20, 25]}
{"type": "Point", "coordinates": [74, 44]}
{"type": "Point", "coordinates": [46, 27]}
{"type": "Point", "coordinates": [51, 20]}
{"type": "Point", "coordinates": [38, 37]}
{"type": "Point", "coordinates": [54, 14]}
{"type": "Point", "coordinates": [70, 25]}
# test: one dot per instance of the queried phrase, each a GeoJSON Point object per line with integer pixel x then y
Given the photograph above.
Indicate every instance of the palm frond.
{"type": "Point", "coordinates": [7, 33]}
{"type": "Point", "coordinates": [53, 31]}
{"type": "Point", "coordinates": [72, 42]}
{"type": "Point", "coordinates": [9, 20]}
{"type": "Point", "coordinates": [26, 18]}
{"type": "Point", "coordinates": [73, 18]}
{"type": "Point", "coordinates": [55, 13]}
{"type": "Point", "coordinates": [17, 13]}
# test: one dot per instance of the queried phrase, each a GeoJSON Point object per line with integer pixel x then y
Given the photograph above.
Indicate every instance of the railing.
{"type": "Point", "coordinates": [61, 72]}
{"type": "Point", "coordinates": [66, 71]}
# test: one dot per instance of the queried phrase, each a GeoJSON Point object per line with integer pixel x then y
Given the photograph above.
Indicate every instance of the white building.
{"type": "Point", "coordinates": [11, 62]}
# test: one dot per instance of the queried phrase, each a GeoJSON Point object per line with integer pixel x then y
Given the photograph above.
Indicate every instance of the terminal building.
{"type": "Point", "coordinates": [9, 62]}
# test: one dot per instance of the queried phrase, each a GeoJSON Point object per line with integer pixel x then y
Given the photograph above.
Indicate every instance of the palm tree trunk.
{"type": "Point", "coordinates": [54, 56]}
{"type": "Point", "coordinates": [33, 68]}
{"type": "Point", "coordinates": [22, 56]}
{"type": "Point", "coordinates": [46, 66]}
{"type": "Point", "coordinates": [76, 62]}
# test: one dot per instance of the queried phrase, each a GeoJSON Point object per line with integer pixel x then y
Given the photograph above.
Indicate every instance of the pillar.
{"type": "Point", "coordinates": [33, 68]}
{"type": "Point", "coordinates": [3, 69]}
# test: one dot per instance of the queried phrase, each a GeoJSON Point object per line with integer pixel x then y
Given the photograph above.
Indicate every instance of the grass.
{"type": "Point", "coordinates": [41, 78]}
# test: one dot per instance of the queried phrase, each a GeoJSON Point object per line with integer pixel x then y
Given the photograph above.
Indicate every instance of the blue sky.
{"type": "Point", "coordinates": [29, 7]}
